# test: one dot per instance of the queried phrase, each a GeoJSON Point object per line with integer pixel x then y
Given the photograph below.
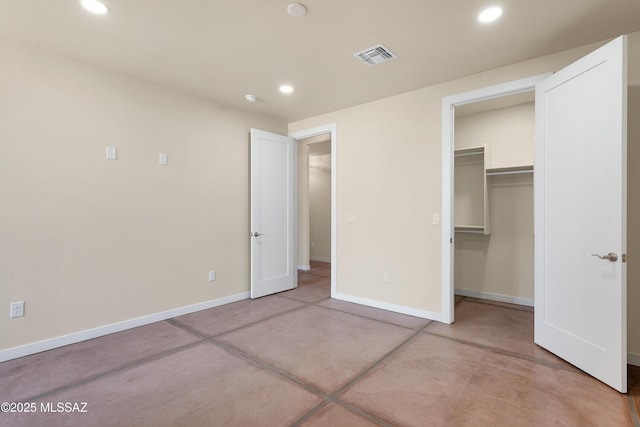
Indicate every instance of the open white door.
{"type": "Point", "coordinates": [273, 183]}
{"type": "Point", "coordinates": [580, 210]}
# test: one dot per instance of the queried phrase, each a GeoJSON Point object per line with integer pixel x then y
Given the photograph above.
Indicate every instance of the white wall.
{"type": "Point", "coordinates": [500, 264]}
{"type": "Point", "coordinates": [507, 131]}
{"type": "Point", "coordinates": [88, 242]}
{"type": "Point", "coordinates": [320, 207]}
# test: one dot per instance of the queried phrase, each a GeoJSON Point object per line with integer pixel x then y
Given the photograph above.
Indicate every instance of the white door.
{"type": "Point", "coordinates": [273, 186]}
{"type": "Point", "coordinates": [580, 210]}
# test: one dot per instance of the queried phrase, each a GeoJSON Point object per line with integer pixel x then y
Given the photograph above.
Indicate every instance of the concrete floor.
{"type": "Point", "coordinates": [301, 358]}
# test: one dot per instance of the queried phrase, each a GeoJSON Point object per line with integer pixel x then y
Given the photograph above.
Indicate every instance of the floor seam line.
{"type": "Point", "coordinates": [326, 401]}
{"type": "Point", "coordinates": [632, 408]}
{"type": "Point", "coordinates": [496, 350]}
{"type": "Point", "coordinates": [273, 369]}
{"type": "Point", "coordinates": [273, 316]}
{"type": "Point", "coordinates": [374, 365]}
{"type": "Point", "coordinates": [114, 371]}
{"type": "Point", "coordinates": [178, 324]}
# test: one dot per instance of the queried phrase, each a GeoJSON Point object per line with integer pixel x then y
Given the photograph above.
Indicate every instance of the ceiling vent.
{"type": "Point", "coordinates": [375, 55]}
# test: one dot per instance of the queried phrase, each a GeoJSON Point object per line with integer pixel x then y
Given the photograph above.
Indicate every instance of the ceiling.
{"type": "Point", "coordinates": [224, 49]}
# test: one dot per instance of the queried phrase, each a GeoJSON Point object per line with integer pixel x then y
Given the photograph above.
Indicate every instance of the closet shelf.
{"type": "Point", "coordinates": [473, 151]}
{"type": "Point", "coordinates": [512, 170]}
{"type": "Point", "coordinates": [479, 229]}
{"type": "Point", "coordinates": [470, 191]}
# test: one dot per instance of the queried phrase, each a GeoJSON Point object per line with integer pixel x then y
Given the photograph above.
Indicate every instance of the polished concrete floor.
{"type": "Point", "coordinates": [299, 358]}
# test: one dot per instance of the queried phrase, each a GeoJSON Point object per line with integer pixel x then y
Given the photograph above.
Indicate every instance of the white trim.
{"type": "Point", "coordinates": [391, 307]}
{"type": "Point", "coordinates": [48, 344]}
{"type": "Point", "coordinates": [304, 267]}
{"type": "Point", "coordinates": [308, 133]}
{"type": "Point", "coordinates": [496, 297]}
{"type": "Point", "coordinates": [448, 115]}
{"type": "Point", "coordinates": [633, 359]}
{"type": "Point", "coordinates": [319, 259]}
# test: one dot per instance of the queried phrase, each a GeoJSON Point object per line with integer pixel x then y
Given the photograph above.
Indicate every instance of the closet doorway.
{"type": "Point", "coordinates": [493, 199]}
{"type": "Point", "coordinates": [474, 219]}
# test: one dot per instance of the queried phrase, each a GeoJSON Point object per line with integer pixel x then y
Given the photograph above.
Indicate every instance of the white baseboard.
{"type": "Point", "coordinates": [391, 307]}
{"type": "Point", "coordinates": [319, 259]}
{"type": "Point", "coordinates": [304, 267]}
{"type": "Point", "coordinates": [37, 347]}
{"type": "Point", "coordinates": [633, 359]}
{"type": "Point", "coordinates": [495, 297]}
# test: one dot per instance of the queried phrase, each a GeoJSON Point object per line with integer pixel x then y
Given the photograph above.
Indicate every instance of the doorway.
{"type": "Point", "coordinates": [325, 141]}
{"type": "Point", "coordinates": [493, 199]}
{"type": "Point", "coordinates": [319, 199]}
{"type": "Point", "coordinates": [449, 106]}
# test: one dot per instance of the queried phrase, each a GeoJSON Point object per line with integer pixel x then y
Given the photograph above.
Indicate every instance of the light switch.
{"type": "Point", "coordinates": [435, 219]}
{"type": "Point", "coordinates": [164, 159]}
{"type": "Point", "coordinates": [352, 218]}
{"type": "Point", "coordinates": [111, 153]}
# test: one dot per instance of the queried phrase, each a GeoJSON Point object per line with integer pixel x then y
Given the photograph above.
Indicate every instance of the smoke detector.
{"type": "Point", "coordinates": [375, 55]}
{"type": "Point", "coordinates": [297, 9]}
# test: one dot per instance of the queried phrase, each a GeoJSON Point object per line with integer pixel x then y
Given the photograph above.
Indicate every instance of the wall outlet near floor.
{"type": "Point", "coordinates": [386, 278]}
{"type": "Point", "coordinates": [17, 309]}
{"type": "Point", "coordinates": [212, 276]}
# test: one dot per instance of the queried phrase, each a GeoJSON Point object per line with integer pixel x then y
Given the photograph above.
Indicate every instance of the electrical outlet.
{"type": "Point", "coordinates": [212, 276]}
{"type": "Point", "coordinates": [17, 309]}
{"type": "Point", "coordinates": [386, 278]}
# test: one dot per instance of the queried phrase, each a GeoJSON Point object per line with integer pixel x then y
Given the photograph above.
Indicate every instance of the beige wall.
{"type": "Point", "coordinates": [389, 174]}
{"type": "Point", "coordinates": [500, 264]}
{"type": "Point", "coordinates": [320, 207]}
{"type": "Point", "coordinates": [303, 205]}
{"type": "Point", "coordinates": [88, 242]}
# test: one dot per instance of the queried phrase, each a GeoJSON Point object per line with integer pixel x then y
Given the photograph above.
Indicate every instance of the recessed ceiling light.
{"type": "Point", "coordinates": [286, 89]}
{"type": "Point", "coordinates": [250, 98]}
{"type": "Point", "coordinates": [95, 6]}
{"type": "Point", "coordinates": [297, 9]}
{"type": "Point", "coordinates": [490, 14]}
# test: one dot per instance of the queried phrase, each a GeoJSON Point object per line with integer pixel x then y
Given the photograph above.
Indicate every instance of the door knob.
{"type": "Point", "coordinates": [611, 256]}
{"type": "Point", "coordinates": [256, 234]}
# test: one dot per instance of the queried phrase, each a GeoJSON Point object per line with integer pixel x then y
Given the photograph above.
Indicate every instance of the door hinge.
{"type": "Point", "coordinates": [624, 257]}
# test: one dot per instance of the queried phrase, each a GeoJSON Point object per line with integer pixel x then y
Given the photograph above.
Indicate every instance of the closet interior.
{"type": "Point", "coordinates": [493, 199]}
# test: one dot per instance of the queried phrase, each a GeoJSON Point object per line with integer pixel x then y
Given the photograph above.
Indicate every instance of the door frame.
{"type": "Point", "coordinates": [449, 103]}
{"type": "Point", "coordinates": [308, 133]}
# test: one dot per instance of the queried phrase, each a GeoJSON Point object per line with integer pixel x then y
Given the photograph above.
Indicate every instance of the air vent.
{"type": "Point", "coordinates": [375, 55]}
